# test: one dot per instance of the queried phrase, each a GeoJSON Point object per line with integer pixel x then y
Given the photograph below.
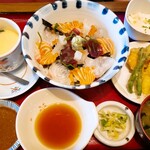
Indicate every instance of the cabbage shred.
{"type": "Point", "coordinates": [113, 123]}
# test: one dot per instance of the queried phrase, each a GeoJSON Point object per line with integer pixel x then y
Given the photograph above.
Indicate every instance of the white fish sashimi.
{"type": "Point", "coordinates": [57, 49]}
{"type": "Point", "coordinates": [62, 39]}
{"type": "Point", "coordinates": [48, 36]}
{"type": "Point", "coordinates": [100, 64]}
{"type": "Point", "coordinates": [101, 32]}
{"type": "Point", "coordinates": [60, 45]}
{"type": "Point", "coordinates": [59, 73]}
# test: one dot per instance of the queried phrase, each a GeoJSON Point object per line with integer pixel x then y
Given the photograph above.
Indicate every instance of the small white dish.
{"type": "Point", "coordinates": [121, 78]}
{"type": "Point", "coordinates": [9, 88]}
{"type": "Point", "coordinates": [14, 106]}
{"type": "Point", "coordinates": [126, 136]}
{"type": "Point", "coordinates": [39, 100]}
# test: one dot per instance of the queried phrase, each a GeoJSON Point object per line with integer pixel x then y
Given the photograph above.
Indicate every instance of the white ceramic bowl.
{"type": "Point", "coordinates": [135, 7]}
{"type": "Point", "coordinates": [76, 10]}
{"type": "Point", "coordinates": [13, 58]}
{"type": "Point", "coordinates": [126, 135]}
{"type": "Point", "coordinates": [39, 100]}
{"type": "Point", "coordinates": [14, 106]}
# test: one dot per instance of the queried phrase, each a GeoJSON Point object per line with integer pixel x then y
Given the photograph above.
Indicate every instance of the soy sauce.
{"type": "Point", "coordinates": [58, 126]}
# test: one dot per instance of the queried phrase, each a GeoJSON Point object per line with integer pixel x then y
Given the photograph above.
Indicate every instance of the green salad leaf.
{"type": "Point", "coordinates": [113, 123]}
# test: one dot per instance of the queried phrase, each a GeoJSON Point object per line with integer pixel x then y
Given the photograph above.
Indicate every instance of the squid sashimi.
{"type": "Point", "coordinates": [59, 73]}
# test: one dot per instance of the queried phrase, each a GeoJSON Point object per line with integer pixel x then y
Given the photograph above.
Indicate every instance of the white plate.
{"type": "Point", "coordinates": [14, 106]}
{"type": "Point", "coordinates": [39, 100]}
{"type": "Point", "coordinates": [125, 137]}
{"type": "Point", "coordinates": [121, 78]}
{"type": "Point", "coordinates": [10, 88]}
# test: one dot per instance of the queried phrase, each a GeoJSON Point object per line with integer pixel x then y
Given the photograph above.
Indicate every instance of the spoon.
{"type": "Point", "coordinates": [15, 78]}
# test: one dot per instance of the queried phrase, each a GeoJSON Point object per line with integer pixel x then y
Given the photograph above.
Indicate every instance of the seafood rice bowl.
{"type": "Point", "coordinates": [75, 44]}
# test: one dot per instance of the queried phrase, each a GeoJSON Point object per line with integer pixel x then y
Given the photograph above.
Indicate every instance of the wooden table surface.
{"type": "Point", "coordinates": [33, 5]}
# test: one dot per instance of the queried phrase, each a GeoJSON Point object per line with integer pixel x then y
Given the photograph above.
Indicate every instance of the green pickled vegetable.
{"type": "Point", "coordinates": [113, 123]}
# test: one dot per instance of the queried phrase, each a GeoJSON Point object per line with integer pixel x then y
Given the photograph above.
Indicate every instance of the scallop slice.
{"type": "Point", "coordinates": [83, 75]}
{"type": "Point", "coordinates": [43, 47]}
{"type": "Point", "coordinates": [107, 45]}
{"type": "Point", "coordinates": [47, 56]}
{"type": "Point", "coordinates": [67, 27]}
